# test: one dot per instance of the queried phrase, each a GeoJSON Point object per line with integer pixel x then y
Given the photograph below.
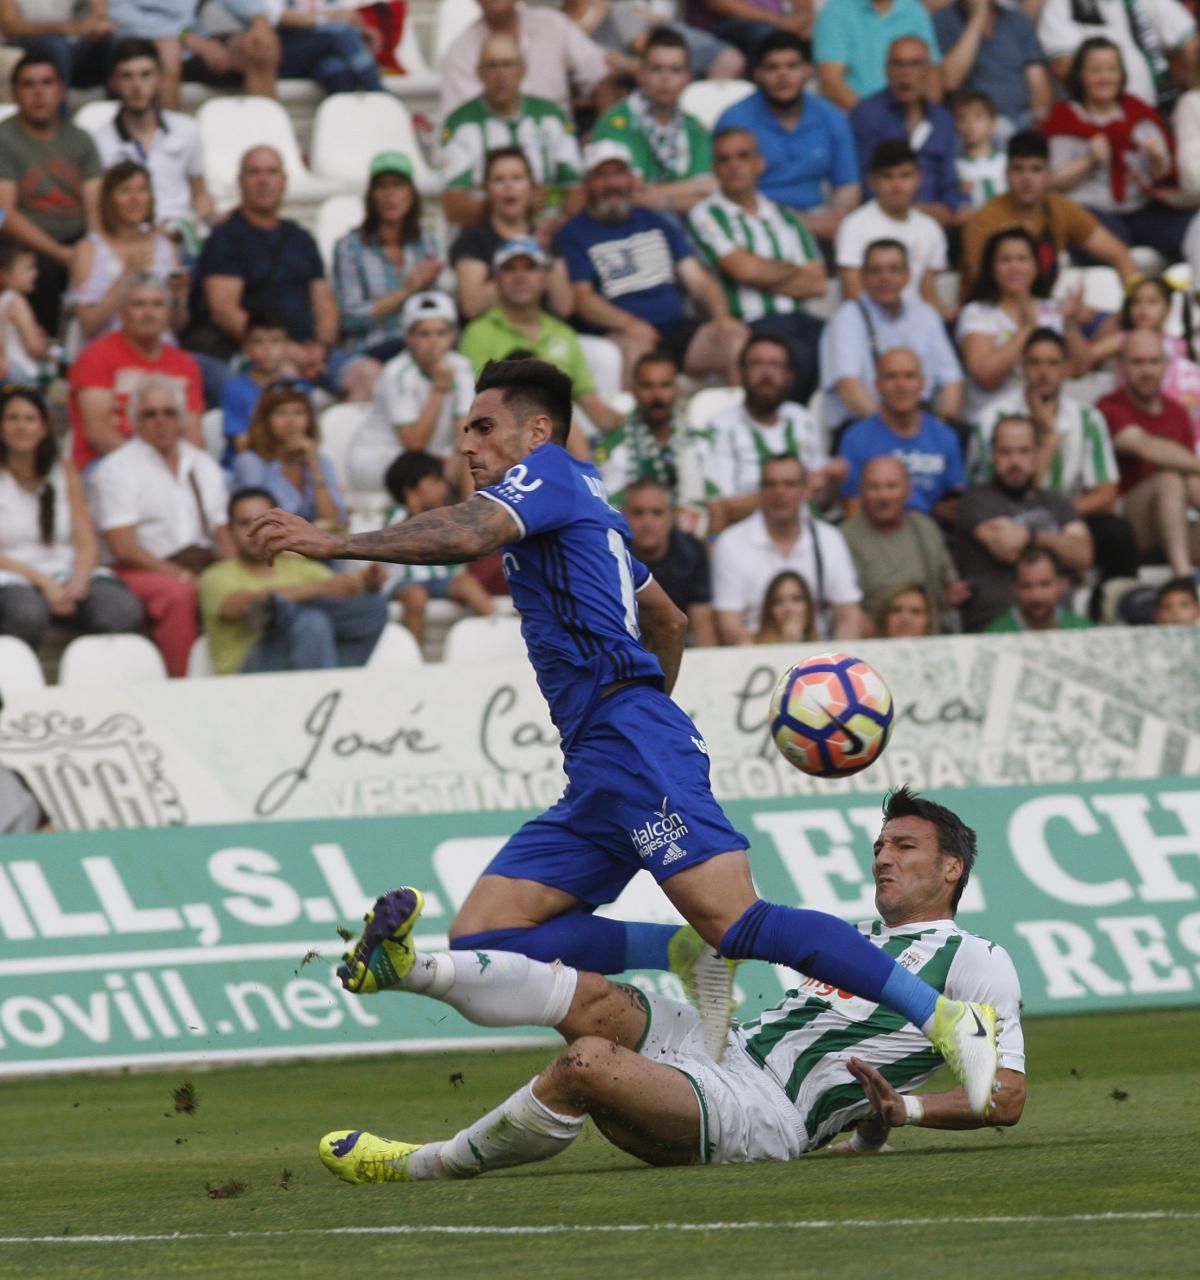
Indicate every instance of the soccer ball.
{"type": "Point", "coordinates": [831, 715]}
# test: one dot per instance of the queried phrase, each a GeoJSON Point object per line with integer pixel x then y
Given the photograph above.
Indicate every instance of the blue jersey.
{"type": "Point", "coordinates": [574, 583]}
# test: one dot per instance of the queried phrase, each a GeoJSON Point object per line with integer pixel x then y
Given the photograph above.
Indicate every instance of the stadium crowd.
{"type": "Point", "coordinates": [900, 344]}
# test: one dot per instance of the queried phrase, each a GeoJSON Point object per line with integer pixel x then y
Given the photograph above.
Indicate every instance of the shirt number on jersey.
{"type": "Point", "coordinates": [616, 544]}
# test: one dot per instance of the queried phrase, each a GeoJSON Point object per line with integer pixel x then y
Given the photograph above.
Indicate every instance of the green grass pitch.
{"type": "Point", "coordinates": [1111, 1128]}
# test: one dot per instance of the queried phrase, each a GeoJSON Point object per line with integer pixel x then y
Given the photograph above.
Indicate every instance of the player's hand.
{"type": "Point", "coordinates": [846, 1149]}
{"type": "Point", "coordinates": [277, 531]}
{"type": "Point", "coordinates": [882, 1097]}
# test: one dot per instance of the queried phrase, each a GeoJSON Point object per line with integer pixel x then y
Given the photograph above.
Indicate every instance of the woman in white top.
{"type": "Point", "coordinates": [1009, 300]}
{"type": "Point", "coordinates": [126, 245]}
{"type": "Point", "coordinates": [48, 549]}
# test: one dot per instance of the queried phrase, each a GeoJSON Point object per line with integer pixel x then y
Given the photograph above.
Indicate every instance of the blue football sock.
{"type": "Point", "coordinates": [823, 947]}
{"type": "Point", "coordinates": [581, 940]}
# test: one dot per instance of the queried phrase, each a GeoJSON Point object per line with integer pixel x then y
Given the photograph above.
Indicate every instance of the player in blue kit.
{"type": "Point", "coordinates": [605, 642]}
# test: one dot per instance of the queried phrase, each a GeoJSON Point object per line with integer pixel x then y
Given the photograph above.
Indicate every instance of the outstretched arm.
{"type": "Point", "coordinates": [942, 1110]}
{"type": "Point", "coordinates": [449, 535]}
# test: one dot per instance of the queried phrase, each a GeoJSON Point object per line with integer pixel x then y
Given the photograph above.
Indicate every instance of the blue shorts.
{"type": "Point", "coordinates": [638, 796]}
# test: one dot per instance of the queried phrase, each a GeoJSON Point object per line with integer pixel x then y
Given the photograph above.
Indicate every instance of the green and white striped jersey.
{"type": "Point", "coordinates": [739, 446]}
{"type": "Point", "coordinates": [540, 130]}
{"type": "Point", "coordinates": [804, 1041]}
{"type": "Point", "coordinates": [1084, 457]}
{"type": "Point", "coordinates": [719, 227]}
{"type": "Point", "coordinates": [983, 176]}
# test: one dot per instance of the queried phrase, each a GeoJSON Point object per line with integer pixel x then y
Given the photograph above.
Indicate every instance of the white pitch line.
{"type": "Point", "coordinates": [805, 1224]}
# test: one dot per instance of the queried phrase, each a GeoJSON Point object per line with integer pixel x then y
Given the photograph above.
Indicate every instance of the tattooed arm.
{"type": "Point", "coordinates": [449, 535]}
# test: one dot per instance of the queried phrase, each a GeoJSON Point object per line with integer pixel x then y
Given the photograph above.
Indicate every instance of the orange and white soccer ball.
{"type": "Point", "coordinates": [831, 715]}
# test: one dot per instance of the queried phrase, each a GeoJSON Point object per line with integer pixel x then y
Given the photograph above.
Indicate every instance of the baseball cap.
{"type": "Point", "coordinates": [391, 162]}
{"type": "Point", "coordinates": [597, 153]}
{"type": "Point", "coordinates": [429, 305]}
{"type": "Point", "coordinates": [521, 247]}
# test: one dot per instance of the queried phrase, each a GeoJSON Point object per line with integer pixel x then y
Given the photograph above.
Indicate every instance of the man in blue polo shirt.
{"type": "Point", "coordinates": [804, 140]}
{"type": "Point", "coordinates": [902, 110]}
{"type": "Point", "coordinates": [630, 268]}
{"type": "Point", "coordinates": [901, 429]}
{"type": "Point", "coordinates": [851, 39]}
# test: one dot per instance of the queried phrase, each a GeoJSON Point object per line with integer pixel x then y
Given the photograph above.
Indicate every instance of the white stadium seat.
{"type": "Point", "coordinates": [1102, 287]}
{"type": "Point", "coordinates": [494, 639]}
{"type": "Point", "coordinates": [338, 424]}
{"type": "Point", "coordinates": [603, 358]}
{"type": "Point", "coordinates": [453, 18]}
{"type": "Point", "coordinates": [231, 126]}
{"type": "Point", "coordinates": [212, 423]}
{"type": "Point", "coordinates": [200, 659]}
{"type": "Point", "coordinates": [96, 114]}
{"type": "Point", "coordinates": [396, 647]}
{"type": "Point", "coordinates": [707, 99]}
{"type": "Point", "coordinates": [418, 81]}
{"type": "Point", "coordinates": [123, 659]}
{"type": "Point", "coordinates": [335, 217]}
{"type": "Point", "coordinates": [19, 667]}
{"type": "Point", "coordinates": [705, 405]}
{"type": "Point", "coordinates": [352, 128]}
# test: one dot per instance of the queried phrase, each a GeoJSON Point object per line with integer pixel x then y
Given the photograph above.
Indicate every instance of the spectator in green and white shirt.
{"type": "Point", "coordinates": [766, 424]}
{"type": "Point", "coordinates": [767, 260]}
{"type": "Point", "coordinates": [502, 116]}
{"type": "Point", "coordinates": [655, 441]}
{"type": "Point", "coordinates": [1075, 457]}
{"type": "Point", "coordinates": [671, 151]}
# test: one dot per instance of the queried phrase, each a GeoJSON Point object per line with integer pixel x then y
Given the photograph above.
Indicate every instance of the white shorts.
{"type": "Point", "coordinates": [744, 1114]}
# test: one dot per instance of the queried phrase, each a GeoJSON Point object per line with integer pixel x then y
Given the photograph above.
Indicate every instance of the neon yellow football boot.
{"type": "Point", "coordinates": [384, 953]}
{"type": "Point", "coordinates": [356, 1156]}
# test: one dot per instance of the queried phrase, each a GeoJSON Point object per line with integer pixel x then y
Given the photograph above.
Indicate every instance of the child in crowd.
{"type": "Point", "coordinates": [421, 397]}
{"type": "Point", "coordinates": [892, 216]}
{"type": "Point", "coordinates": [982, 166]}
{"type": "Point", "coordinates": [264, 344]}
{"type": "Point", "coordinates": [1148, 307]}
{"type": "Point", "coordinates": [1177, 603]}
{"type": "Point", "coordinates": [417, 483]}
{"type": "Point", "coordinates": [25, 343]}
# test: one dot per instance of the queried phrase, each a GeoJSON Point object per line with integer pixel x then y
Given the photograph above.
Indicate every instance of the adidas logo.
{"type": "Point", "coordinates": [673, 853]}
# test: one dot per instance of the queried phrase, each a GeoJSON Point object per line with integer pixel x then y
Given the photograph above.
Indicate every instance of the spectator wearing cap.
{"type": "Point", "coordinates": [561, 63]}
{"type": "Point", "coordinates": [160, 502]}
{"type": "Point", "coordinates": [764, 255]}
{"type": "Point", "coordinates": [671, 151]}
{"type": "Point", "coordinates": [851, 39]}
{"type": "Point", "coordinates": [503, 116]}
{"type": "Point", "coordinates": [806, 142]}
{"type": "Point", "coordinates": [108, 370]}
{"type": "Point", "coordinates": [904, 111]}
{"type": "Point", "coordinates": [518, 322]}
{"type": "Point", "coordinates": [377, 267]}
{"type": "Point", "coordinates": [421, 397]}
{"type": "Point", "coordinates": [257, 260]}
{"type": "Point", "coordinates": [631, 267]}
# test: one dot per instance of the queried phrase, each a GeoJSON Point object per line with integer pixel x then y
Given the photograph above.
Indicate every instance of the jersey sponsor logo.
{"type": "Point", "coordinates": [661, 832]}
{"type": "Point", "coordinates": [513, 488]}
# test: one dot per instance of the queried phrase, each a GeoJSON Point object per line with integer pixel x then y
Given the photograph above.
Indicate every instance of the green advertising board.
{"type": "Point", "coordinates": [211, 943]}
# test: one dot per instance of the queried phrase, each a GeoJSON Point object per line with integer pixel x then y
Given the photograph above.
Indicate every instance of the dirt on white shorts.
{"type": "Point", "coordinates": [744, 1114]}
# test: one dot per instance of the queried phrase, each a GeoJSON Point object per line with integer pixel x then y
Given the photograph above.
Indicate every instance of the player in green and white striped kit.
{"type": "Point", "coordinates": [816, 1064]}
